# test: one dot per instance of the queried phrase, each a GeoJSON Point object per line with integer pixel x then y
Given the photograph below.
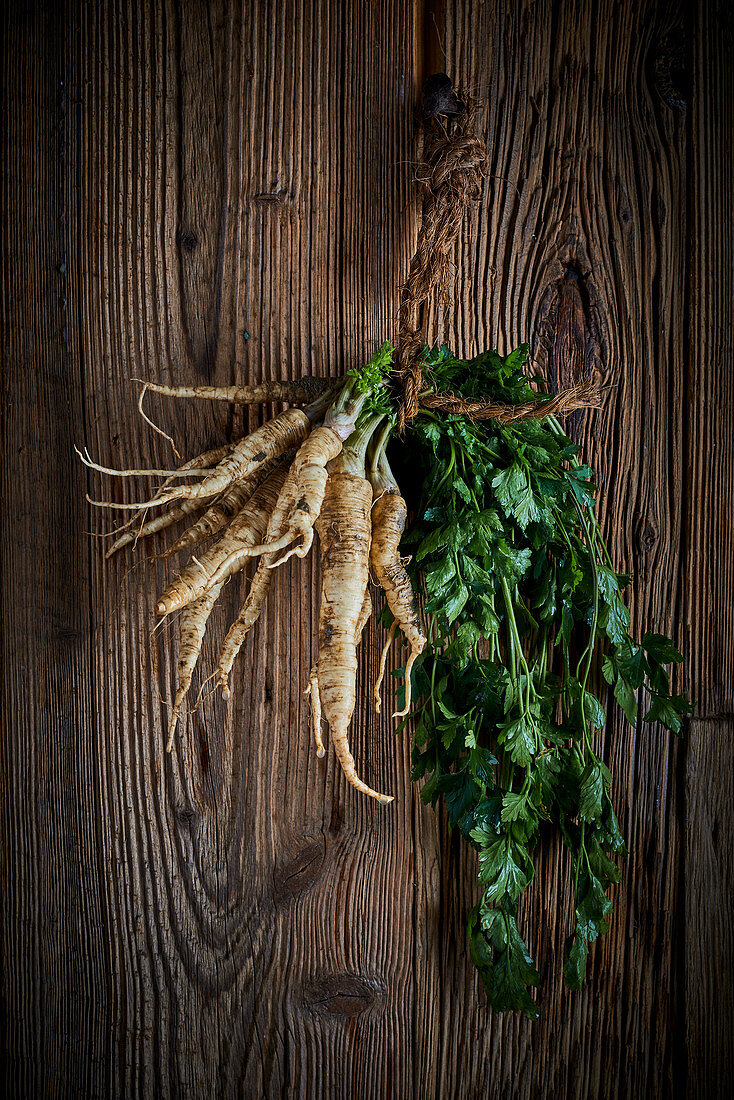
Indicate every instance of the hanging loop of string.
{"type": "Point", "coordinates": [453, 170]}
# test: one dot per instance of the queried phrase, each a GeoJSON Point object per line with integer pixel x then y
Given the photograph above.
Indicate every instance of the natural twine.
{"type": "Point", "coordinates": [455, 164]}
{"type": "Point", "coordinates": [586, 395]}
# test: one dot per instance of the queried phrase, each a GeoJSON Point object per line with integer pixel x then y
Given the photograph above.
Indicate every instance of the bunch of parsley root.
{"type": "Point", "coordinates": [520, 599]}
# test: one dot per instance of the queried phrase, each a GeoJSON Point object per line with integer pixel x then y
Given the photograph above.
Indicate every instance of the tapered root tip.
{"type": "Point", "coordinates": [408, 685]}
{"type": "Point", "coordinates": [385, 798]}
{"type": "Point", "coordinates": [321, 752]}
{"type": "Point", "coordinates": [408, 703]}
{"type": "Point", "coordinates": [176, 714]}
{"type": "Point", "coordinates": [345, 758]}
{"type": "Point", "coordinates": [225, 689]}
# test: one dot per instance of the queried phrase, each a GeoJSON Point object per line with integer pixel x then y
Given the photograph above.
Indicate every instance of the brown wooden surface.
{"type": "Point", "coordinates": [222, 193]}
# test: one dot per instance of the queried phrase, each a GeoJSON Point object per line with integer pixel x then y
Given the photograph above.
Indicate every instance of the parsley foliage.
{"type": "Point", "coordinates": [520, 593]}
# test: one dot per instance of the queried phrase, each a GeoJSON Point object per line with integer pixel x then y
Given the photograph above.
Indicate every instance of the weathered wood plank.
{"type": "Point", "coordinates": [228, 175]}
{"type": "Point", "coordinates": [709, 924]}
{"type": "Point", "coordinates": [709, 874]}
{"type": "Point", "coordinates": [710, 393]}
{"type": "Point", "coordinates": [55, 957]}
{"type": "Point", "coordinates": [578, 247]}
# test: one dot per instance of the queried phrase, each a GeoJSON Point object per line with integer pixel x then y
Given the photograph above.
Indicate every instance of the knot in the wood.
{"type": "Point", "coordinates": [346, 995]}
{"type": "Point", "coordinates": [188, 240]}
{"type": "Point", "coordinates": [298, 872]}
{"type": "Point", "coordinates": [438, 97]}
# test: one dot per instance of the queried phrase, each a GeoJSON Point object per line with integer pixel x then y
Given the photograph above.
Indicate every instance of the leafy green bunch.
{"type": "Point", "coordinates": [369, 383]}
{"type": "Point", "coordinates": [521, 596]}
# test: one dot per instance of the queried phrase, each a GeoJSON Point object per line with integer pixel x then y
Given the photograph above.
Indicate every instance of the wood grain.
{"type": "Point", "coordinates": [711, 378]}
{"type": "Point", "coordinates": [261, 910]}
{"type": "Point", "coordinates": [709, 924]}
{"type": "Point", "coordinates": [221, 193]}
{"type": "Point", "coordinates": [583, 247]}
{"type": "Point", "coordinates": [55, 949]}
{"type": "Point", "coordinates": [709, 875]}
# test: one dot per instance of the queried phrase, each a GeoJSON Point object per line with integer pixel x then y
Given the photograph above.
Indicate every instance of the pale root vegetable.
{"type": "Point", "coordinates": [313, 678]}
{"type": "Point", "coordinates": [309, 467]}
{"type": "Point", "coordinates": [286, 430]}
{"type": "Point", "coordinates": [224, 508]}
{"type": "Point", "coordinates": [256, 505]}
{"type": "Point", "coordinates": [313, 690]}
{"type": "Point", "coordinates": [246, 528]}
{"type": "Point", "coordinates": [389, 516]}
{"type": "Point", "coordinates": [170, 475]}
{"type": "Point", "coordinates": [300, 392]}
{"type": "Point", "coordinates": [344, 529]}
{"type": "Point", "coordinates": [364, 617]}
{"type": "Point", "coordinates": [259, 588]}
{"type": "Point", "coordinates": [239, 556]}
{"type": "Point", "coordinates": [179, 511]}
{"type": "Point", "coordinates": [322, 446]}
{"type": "Point", "coordinates": [309, 498]}
{"type": "Point", "coordinates": [322, 443]}
{"type": "Point", "coordinates": [191, 627]}
{"type": "Point", "coordinates": [157, 523]}
{"type": "Point", "coordinates": [383, 662]}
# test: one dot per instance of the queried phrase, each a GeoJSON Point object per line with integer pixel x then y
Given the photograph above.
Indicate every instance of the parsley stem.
{"type": "Point", "coordinates": [433, 688]}
{"type": "Point", "coordinates": [588, 653]}
{"type": "Point", "coordinates": [559, 433]}
{"type": "Point", "coordinates": [516, 643]}
{"type": "Point", "coordinates": [543, 660]}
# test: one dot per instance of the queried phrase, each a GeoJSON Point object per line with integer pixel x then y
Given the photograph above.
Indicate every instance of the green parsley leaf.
{"type": "Point", "coordinates": [668, 710]}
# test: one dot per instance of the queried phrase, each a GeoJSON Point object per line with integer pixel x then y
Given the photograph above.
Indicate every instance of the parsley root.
{"type": "Point", "coordinates": [271, 440]}
{"type": "Point", "coordinates": [299, 392]}
{"type": "Point", "coordinates": [389, 516]}
{"type": "Point", "coordinates": [246, 528]}
{"type": "Point", "coordinates": [344, 528]}
{"type": "Point", "coordinates": [259, 588]}
{"type": "Point", "coordinates": [191, 627]}
{"type": "Point", "coordinates": [306, 495]}
{"type": "Point", "coordinates": [222, 510]}
{"type": "Point", "coordinates": [313, 677]}
{"type": "Point", "coordinates": [322, 445]}
{"type": "Point", "coordinates": [179, 511]}
{"type": "Point", "coordinates": [157, 523]}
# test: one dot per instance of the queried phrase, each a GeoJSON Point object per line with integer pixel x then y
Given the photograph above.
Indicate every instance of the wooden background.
{"type": "Point", "coordinates": [221, 192]}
